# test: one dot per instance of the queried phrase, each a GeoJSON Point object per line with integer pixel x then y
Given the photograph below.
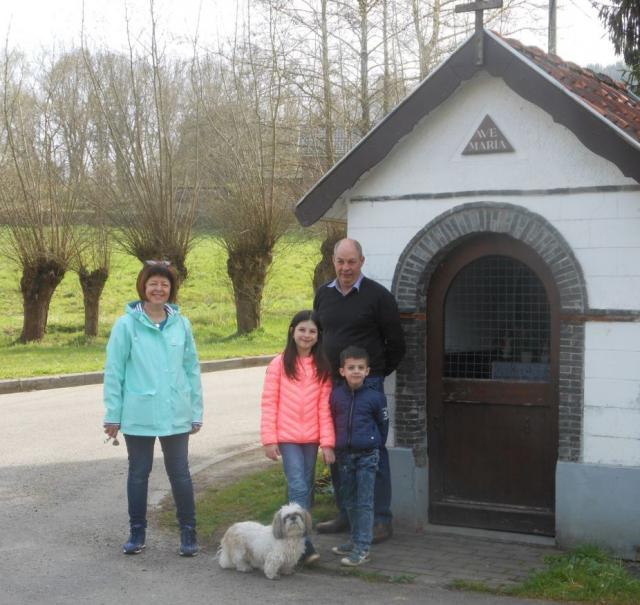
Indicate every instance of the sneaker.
{"type": "Point", "coordinates": [136, 541]}
{"type": "Point", "coordinates": [355, 559]}
{"type": "Point", "coordinates": [310, 555]}
{"type": "Point", "coordinates": [343, 549]}
{"type": "Point", "coordinates": [335, 526]}
{"type": "Point", "coordinates": [188, 541]}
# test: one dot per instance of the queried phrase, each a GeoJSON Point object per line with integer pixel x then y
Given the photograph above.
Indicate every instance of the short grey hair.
{"type": "Point", "coordinates": [355, 242]}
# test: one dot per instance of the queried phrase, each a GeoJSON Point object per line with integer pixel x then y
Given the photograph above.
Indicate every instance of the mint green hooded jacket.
{"type": "Point", "coordinates": [152, 377]}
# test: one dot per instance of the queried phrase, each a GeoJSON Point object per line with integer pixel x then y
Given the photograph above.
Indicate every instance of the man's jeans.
{"type": "Point", "coordinates": [299, 462]}
{"type": "Point", "coordinates": [175, 449]}
{"type": "Point", "coordinates": [357, 480]}
{"type": "Point", "coordinates": [382, 493]}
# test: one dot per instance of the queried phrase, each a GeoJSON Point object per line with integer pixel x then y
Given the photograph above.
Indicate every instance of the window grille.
{"type": "Point", "coordinates": [497, 322]}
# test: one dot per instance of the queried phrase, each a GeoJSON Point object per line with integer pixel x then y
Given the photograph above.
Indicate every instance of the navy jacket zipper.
{"type": "Point", "coordinates": [350, 423]}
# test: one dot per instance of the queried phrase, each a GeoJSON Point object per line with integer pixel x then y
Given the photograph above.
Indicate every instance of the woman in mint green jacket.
{"type": "Point", "coordinates": [152, 389]}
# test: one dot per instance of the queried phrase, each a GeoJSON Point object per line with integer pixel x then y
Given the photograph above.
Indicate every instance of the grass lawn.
{"type": "Point", "coordinates": [584, 575]}
{"type": "Point", "coordinates": [206, 299]}
{"type": "Point", "coordinates": [254, 497]}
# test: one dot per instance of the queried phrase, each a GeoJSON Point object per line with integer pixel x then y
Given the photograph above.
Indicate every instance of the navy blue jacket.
{"type": "Point", "coordinates": [360, 417]}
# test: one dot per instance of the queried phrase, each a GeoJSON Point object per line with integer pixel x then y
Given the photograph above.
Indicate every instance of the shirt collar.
{"type": "Point", "coordinates": [356, 286]}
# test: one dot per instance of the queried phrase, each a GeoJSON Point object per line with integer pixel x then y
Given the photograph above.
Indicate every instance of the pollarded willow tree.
{"type": "Point", "coordinates": [152, 188]}
{"type": "Point", "coordinates": [84, 136]}
{"type": "Point", "coordinates": [249, 129]}
{"type": "Point", "coordinates": [42, 177]}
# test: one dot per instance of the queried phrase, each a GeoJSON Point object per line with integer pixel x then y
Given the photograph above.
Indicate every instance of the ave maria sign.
{"type": "Point", "coordinates": [488, 138]}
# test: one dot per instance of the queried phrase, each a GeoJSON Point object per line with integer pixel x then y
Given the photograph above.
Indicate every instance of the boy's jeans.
{"type": "Point", "coordinates": [175, 449]}
{"type": "Point", "coordinates": [357, 480]}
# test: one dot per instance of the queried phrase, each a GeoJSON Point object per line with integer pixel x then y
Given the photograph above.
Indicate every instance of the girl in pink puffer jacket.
{"type": "Point", "coordinates": [296, 418]}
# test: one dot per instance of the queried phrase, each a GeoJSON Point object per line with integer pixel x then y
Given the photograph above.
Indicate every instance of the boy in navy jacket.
{"type": "Point", "coordinates": [361, 421]}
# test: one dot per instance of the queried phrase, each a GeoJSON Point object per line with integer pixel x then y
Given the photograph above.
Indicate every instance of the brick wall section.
{"type": "Point", "coordinates": [571, 390]}
{"type": "Point", "coordinates": [410, 284]}
{"type": "Point", "coordinates": [411, 387]}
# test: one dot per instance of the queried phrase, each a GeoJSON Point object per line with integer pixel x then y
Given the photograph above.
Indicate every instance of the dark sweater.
{"type": "Point", "coordinates": [366, 318]}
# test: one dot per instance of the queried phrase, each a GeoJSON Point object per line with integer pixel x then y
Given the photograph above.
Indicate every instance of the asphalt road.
{"type": "Point", "coordinates": [63, 512]}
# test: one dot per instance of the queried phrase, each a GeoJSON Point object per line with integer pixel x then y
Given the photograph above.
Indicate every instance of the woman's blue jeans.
{"type": "Point", "coordinates": [299, 461]}
{"type": "Point", "coordinates": [175, 449]}
{"type": "Point", "coordinates": [357, 481]}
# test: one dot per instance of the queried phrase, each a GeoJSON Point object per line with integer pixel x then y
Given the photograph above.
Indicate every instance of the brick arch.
{"type": "Point", "coordinates": [432, 242]}
{"type": "Point", "coordinates": [410, 284]}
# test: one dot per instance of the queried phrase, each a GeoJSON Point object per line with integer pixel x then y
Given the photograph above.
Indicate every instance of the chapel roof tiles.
{"type": "Point", "coordinates": [602, 113]}
{"type": "Point", "coordinates": [610, 98]}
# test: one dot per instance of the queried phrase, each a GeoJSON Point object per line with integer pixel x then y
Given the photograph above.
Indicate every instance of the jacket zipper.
{"type": "Point", "coordinates": [350, 423]}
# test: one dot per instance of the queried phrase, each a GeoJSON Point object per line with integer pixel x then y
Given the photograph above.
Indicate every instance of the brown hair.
{"type": "Point", "coordinates": [290, 354]}
{"type": "Point", "coordinates": [161, 268]}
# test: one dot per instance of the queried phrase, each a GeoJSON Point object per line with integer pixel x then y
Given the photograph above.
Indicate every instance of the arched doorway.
{"type": "Point", "coordinates": [492, 387]}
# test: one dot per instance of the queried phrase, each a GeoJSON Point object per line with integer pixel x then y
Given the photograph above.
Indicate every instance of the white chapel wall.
{"type": "Point", "coordinates": [602, 228]}
{"type": "Point", "coordinates": [612, 394]}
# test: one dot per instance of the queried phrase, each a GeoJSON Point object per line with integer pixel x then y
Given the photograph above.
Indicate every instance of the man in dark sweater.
{"type": "Point", "coordinates": [356, 310]}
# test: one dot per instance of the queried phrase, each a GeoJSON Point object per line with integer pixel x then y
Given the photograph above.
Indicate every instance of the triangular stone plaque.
{"type": "Point", "coordinates": [488, 138]}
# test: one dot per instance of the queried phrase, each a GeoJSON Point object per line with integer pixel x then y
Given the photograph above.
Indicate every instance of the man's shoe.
{"type": "Point", "coordinates": [343, 550]}
{"type": "Point", "coordinates": [335, 526]}
{"type": "Point", "coordinates": [136, 541]}
{"type": "Point", "coordinates": [188, 541]}
{"type": "Point", "coordinates": [355, 559]}
{"type": "Point", "coordinates": [381, 532]}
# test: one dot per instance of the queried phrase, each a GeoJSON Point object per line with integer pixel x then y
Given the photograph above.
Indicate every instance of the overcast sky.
{"type": "Point", "coordinates": [37, 24]}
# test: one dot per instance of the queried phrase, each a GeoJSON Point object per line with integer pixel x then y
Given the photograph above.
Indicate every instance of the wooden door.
{"type": "Point", "coordinates": [492, 388]}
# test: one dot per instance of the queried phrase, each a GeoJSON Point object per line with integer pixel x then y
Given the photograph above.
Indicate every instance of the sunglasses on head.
{"type": "Point", "coordinates": [164, 263]}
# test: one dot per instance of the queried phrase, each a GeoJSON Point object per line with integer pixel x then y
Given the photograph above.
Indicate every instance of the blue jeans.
{"type": "Point", "coordinates": [299, 461]}
{"type": "Point", "coordinates": [175, 449]}
{"type": "Point", "coordinates": [382, 493]}
{"type": "Point", "coordinates": [357, 481]}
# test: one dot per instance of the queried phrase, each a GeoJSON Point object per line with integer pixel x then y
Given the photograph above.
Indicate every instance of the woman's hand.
{"type": "Point", "coordinates": [195, 428]}
{"type": "Point", "coordinates": [272, 451]}
{"type": "Point", "coordinates": [111, 430]}
{"type": "Point", "coordinates": [328, 455]}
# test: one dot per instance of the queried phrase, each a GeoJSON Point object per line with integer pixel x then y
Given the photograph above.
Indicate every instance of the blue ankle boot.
{"type": "Point", "coordinates": [136, 541]}
{"type": "Point", "coordinates": [188, 541]}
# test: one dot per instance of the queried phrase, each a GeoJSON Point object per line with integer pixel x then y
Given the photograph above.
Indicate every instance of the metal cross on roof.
{"type": "Point", "coordinates": [479, 7]}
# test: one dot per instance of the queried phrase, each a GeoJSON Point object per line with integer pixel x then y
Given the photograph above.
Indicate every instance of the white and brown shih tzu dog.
{"type": "Point", "coordinates": [275, 549]}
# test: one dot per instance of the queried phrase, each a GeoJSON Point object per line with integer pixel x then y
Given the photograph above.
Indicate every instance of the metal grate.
{"type": "Point", "coordinates": [497, 322]}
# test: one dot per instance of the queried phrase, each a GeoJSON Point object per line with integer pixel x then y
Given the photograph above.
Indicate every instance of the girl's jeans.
{"type": "Point", "coordinates": [299, 461]}
{"type": "Point", "coordinates": [175, 449]}
{"type": "Point", "coordinates": [357, 480]}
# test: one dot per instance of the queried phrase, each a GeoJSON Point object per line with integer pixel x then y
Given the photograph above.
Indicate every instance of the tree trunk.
{"type": "Point", "coordinates": [386, 85]}
{"type": "Point", "coordinates": [38, 283]}
{"type": "Point", "coordinates": [329, 153]}
{"type": "Point", "coordinates": [248, 273]}
{"type": "Point", "coordinates": [92, 283]}
{"type": "Point", "coordinates": [324, 270]}
{"type": "Point", "coordinates": [365, 119]}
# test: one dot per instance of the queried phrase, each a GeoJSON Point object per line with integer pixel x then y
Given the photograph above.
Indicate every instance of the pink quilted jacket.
{"type": "Point", "coordinates": [296, 411]}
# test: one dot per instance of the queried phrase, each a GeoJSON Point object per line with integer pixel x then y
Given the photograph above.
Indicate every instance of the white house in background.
{"type": "Point", "coordinates": [500, 203]}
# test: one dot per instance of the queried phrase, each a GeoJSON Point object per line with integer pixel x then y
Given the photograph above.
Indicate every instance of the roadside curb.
{"type": "Point", "coordinates": [59, 381]}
